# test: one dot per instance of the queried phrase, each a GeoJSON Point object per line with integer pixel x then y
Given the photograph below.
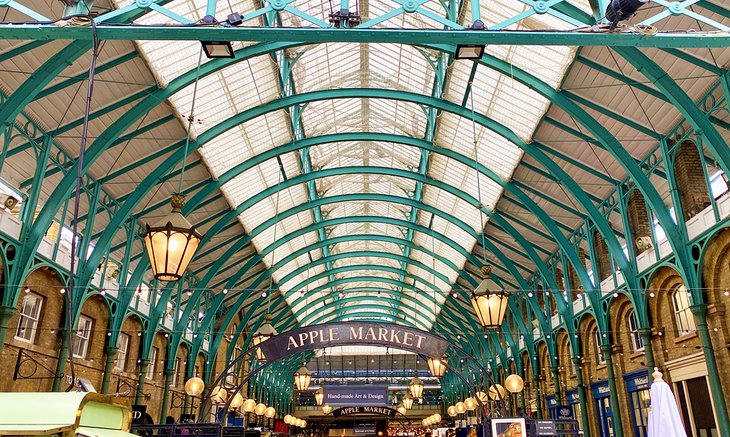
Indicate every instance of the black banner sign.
{"type": "Point", "coordinates": [365, 409]}
{"type": "Point", "coordinates": [138, 413]}
{"type": "Point", "coordinates": [353, 333]}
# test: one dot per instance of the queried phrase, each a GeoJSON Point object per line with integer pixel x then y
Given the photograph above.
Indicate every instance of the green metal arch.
{"type": "Point", "coordinates": [331, 222]}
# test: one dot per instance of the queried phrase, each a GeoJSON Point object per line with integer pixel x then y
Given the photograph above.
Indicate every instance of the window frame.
{"type": "Point", "coordinates": [152, 364]}
{"type": "Point", "coordinates": [637, 343]}
{"type": "Point", "coordinates": [600, 356]}
{"type": "Point", "coordinates": [24, 317]}
{"type": "Point", "coordinates": [85, 340]}
{"type": "Point", "coordinates": [120, 362]}
{"type": "Point", "coordinates": [683, 318]}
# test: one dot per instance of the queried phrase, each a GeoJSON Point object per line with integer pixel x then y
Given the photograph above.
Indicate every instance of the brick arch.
{"type": "Point", "coordinates": [565, 367]}
{"type": "Point", "coordinates": [714, 266]}
{"type": "Point", "coordinates": [586, 328]}
{"type": "Point", "coordinates": [619, 310]}
{"type": "Point", "coordinates": [663, 283]}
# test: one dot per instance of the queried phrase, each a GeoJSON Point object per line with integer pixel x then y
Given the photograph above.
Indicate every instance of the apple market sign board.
{"type": "Point", "coordinates": [353, 333]}
{"type": "Point", "coordinates": [362, 395]}
{"type": "Point", "coordinates": [364, 409]}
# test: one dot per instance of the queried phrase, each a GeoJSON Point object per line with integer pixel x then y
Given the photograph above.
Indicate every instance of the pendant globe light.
{"type": "Point", "coordinates": [194, 386]}
{"type": "Point", "coordinates": [237, 401]}
{"type": "Point", "coordinates": [415, 386]}
{"type": "Point", "coordinates": [218, 395]}
{"type": "Point", "coordinates": [460, 407]}
{"type": "Point", "coordinates": [489, 301]}
{"type": "Point", "coordinates": [302, 378]}
{"type": "Point", "coordinates": [470, 404]}
{"type": "Point", "coordinates": [514, 383]}
{"type": "Point", "coordinates": [249, 405]}
{"type": "Point", "coordinates": [497, 392]}
{"type": "Point", "coordinates": [265, 332]}
{"type": "Point", "coordinates": [260, 409]}
{"type": "Point", "coordinates": [270, 412]}
{"type": "Point", "coordinates": [451, 411]}
{"type": "Point", "coordinates": [319, 396]}
{"type": "Point", "coordinates": [437, 366]}
{"type": "Point", "coordinates": [288, 418]}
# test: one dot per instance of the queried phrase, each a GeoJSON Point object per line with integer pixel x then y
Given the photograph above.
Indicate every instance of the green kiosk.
{"type": "Point", "coordinates": [71, 414]}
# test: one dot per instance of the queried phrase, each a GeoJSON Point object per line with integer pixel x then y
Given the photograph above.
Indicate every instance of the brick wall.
{"type": "Point", "coordinates": [603, 261]}
{"type": "Point", "coordinates": [639, 220]}
{"type": "Point", "coordinates": [690, 178]}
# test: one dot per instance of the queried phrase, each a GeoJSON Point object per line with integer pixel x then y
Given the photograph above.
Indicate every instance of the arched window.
{"type": "Point", "coordinates": [637, 343]}
{"type": "Point", "coordinates": [682, 313]}
{"type": "Point", "coordinates": [600, 357]}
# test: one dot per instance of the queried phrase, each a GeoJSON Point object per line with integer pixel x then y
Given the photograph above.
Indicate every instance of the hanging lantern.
{"type": "Point", "coordinates": [497, 392]}
{"type": "Point", "coordinates": [249, 405]}
{"type": "Point", "coordinates": [287, 419]}
{"type": "Point", "coordinates": [237, 401]}
{"type": "Point", "coordinates": [470, 404]}
{"type": "Point", "coordinates": [171, 243]}
{"type": "Point", "coordinates": [302, 378]}
{"type": "Point", "coordinates": [460, 407]}
{"type": "Point", "coordinates": [194, 386]}
{"type": "Point", "coordinates": [489, 301]}
{"type": "Point", "coordinates": [407, 401]}
{"type": "Point", "coordinates": [218, 395]}
{"type": "Point", "coordinates": [416, 386]}
{"type": "Point", "coordinates": [514, 383]}
{"type": "Point", "coordinates": [319, 396]}
{"type": "Point", "coordinates": [270, 412]}
{"type": "Point", "coordinates": [260, 409]}
{"type": "Point", "coordinates": [402, 410]}
{"type": "Point", "coordinates": [265, 332]}
{"type": "Point", "coordinates": [437, 366]}
{"type": "Point", "coordinates": [326, 409]}
{"type": "Point", "coordinates": [451, 411]}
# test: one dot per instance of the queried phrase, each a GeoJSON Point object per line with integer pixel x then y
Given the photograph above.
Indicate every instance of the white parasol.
{"type": "Point", "coordinates": [664, 419]}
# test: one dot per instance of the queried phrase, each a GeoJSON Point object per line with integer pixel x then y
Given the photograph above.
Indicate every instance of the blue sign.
{"type": "Point", "coordinates": [600, 389]}
{"type": "Point", "coordinates": [565, 412]}
{"type": "Point", "coordinates": [638, 380]}
{"type": "Point", "coordinates": [351, 395]}
{"type": "Point", "coordinates": [551, 401]}
{"type": "Point", "coordinates": [572, 396]}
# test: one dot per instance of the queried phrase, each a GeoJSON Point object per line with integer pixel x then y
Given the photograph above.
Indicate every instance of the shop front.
{"type": "Point", "coordinates": [692, 390]}
{"type": "Point", "coordinates": [637, 388]}
{"type": "Point", "coordinates": [604, 414]}
{"type": "Point", "coordinates": [572, 410]}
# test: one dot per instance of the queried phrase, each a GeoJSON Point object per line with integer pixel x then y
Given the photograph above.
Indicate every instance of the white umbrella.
{"type": "Point", "coordinates": [664, 419]}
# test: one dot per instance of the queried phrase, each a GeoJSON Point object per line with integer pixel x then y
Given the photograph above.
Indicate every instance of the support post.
{"type": "Point", "coordinates": [718, 398]}
{"type": "Point", "coordinates": [5, 314]}
{"type": "Point", "coordinates": [165, 395]}
{"type": "Point", "coordinates": [582, 397]}
{"type": "Point", "coordinates": [556, 380]}
{"type": "Point", "coordinates": [613, 392]}
{"type": "Point", "coordinates": [140, 381]}
{"type": "Point", "coordinates": [61, 364]}
{"type": "Point", "coordinates": [645, 334]}
{"type": "Point", "coordinates": [111, 354]}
